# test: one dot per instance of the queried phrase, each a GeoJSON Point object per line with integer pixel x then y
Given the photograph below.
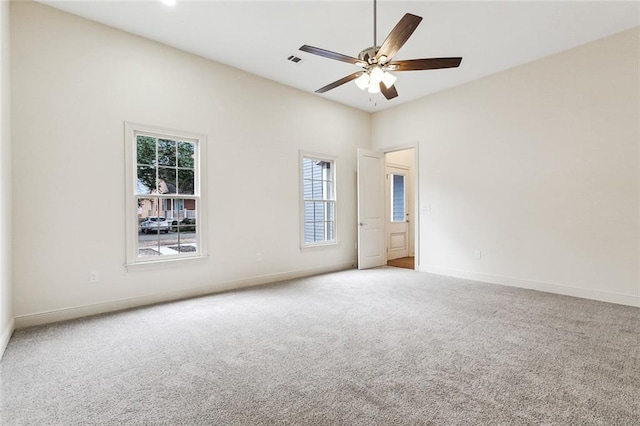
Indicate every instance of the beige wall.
{"type": "Point", "coordinates": [75, 83]}
{"type": "Point", "coordinates": [537, 167]}
{"type": "Point", "coordinates": [6, 314]}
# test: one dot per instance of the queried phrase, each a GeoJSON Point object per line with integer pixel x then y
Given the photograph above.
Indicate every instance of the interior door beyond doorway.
{"type": "Point", "coordinates": [397, 211]}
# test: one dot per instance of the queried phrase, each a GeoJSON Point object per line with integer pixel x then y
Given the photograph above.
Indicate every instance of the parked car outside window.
{"type": "Point", "coordinates": [186, 224]}
{"type": "Point", "coordinates": [155, 224]}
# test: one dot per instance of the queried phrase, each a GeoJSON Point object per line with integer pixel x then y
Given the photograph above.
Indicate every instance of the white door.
{"type": "Point", "coordinates": [371, 238]}
{"type": "Point", "coordinates": [397, 212]}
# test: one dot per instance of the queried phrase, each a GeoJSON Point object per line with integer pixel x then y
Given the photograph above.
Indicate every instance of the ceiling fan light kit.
{"type": "Point", "coordinates": [376, 61]}
{"type": "Point", "coordinates": [363, 81]}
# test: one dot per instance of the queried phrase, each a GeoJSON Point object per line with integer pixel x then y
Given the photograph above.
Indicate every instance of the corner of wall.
{"type": "Point", "coordinates": [6, 278]}
{"type": "Point", "coordinates": [6, 336]}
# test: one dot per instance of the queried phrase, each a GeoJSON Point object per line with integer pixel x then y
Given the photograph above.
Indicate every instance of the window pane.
{"type": "Point", "coordinates": [182, 239]}
{"type": "Point", "coordinates": [327, 193]}
{"type": "Point", "coordinates": [316, 189]}
{"type": "Point", "coordinates": [308, 211]}
{"type": "Point", "coordinates": [186, 182]}
{"type": "Point", "coordinates": [187, 241]}
{"type": "Point", "coordinates": [330, 231]}
{"type": "Point", "coordinates": [307, 191]}
{"type": "Point", "coordinates": [186, 233]}
{"type": "Point", "coordinates": [397, 198]}
{"type": "Point", "coordinates": [319, 231]}
{"type": "Point", "coordinates": [148, 212]}
{"type": "Point", "coordinates": [316, 169]}
{"type": "Point", "coordinates": [146, 150]}
{"type": "Point", "coordinates": [166, 152]}
{"type": "Point", "coordinates": [320, 169]}
{"type": "Point", "coordinates": [146, 179]}
{"type": "Point", "coordinates": [326, 171]}
{"type": "Point", "coordinates": [319, 212]}
{"type": "Point", "coordinates": [168, 209]}
{"type": "Point", "coordinates": [146, 208]}
{"type": "Point", "coordinates": [183, 213]}
{"type": "Point", "coordinates": [167, 226]}
{"type": "Point", "coordinates": [306, 168]}
{"type": "Point", "coordinates": [330, 207]}
{"type": "Point", "coordinates": [308, 232]}
{"type": "Point", "coordinates": [186, 154]}
{"type": "Point", "coordinates": [166, 180]}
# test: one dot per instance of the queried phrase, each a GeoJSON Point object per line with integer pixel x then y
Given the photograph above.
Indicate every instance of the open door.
{"type": "Point", "coordinates": [371, 235]}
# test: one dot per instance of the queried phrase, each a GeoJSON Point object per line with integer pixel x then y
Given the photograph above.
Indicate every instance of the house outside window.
{"type": "Point", "coordinates": [165, 219]}
{"type": "Point", "coordinates": [318, 200]}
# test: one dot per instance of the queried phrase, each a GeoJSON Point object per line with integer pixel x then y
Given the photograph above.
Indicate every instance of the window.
{"type": "Point", "coordinates": [318, 200]}
{"type": "Point", "coordinates": [164, 203]}
{"type": "Point", "coordinates": [398, 200]}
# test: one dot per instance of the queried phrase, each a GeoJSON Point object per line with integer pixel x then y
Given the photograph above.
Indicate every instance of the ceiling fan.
{"type": "Point", "coordinates": [376, 61]}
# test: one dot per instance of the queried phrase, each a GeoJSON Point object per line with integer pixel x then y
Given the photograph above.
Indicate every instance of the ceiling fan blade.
{"type": "Point", "coordinates": [424, 64]}
{"type": "Point", "coordinates": [340, 82]}
{"type": "Point", "coordinates": [399, 35]}
{"type": "Point", "coordinates": [329, 54]}
{"type": "Point", "coordinates": [388, 93]}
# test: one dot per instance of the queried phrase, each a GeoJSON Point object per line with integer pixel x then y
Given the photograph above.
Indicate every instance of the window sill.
{"type": "Point", "coordinates": [316, 245]}
{"type": "Point", "coordinates": [166, 263]}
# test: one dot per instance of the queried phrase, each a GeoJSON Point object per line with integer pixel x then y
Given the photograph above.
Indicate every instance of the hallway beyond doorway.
{"type": "Point", "coordinates": [403, 262]}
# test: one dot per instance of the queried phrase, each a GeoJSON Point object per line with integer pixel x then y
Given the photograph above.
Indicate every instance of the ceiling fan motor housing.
{"type": "Point", "coordinates": [368, 55]}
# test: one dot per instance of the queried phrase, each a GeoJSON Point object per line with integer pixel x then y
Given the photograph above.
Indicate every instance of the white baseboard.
{"type": "Point", "coordinates": [603, 296]}
{"type": "Point", "coordinates": [47, 317]}
{"type": "Point", "coordinates": [6, 335]}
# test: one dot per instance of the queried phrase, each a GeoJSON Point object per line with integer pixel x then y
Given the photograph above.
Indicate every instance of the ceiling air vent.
{"type": "Point", "coordinates": [294, 59]}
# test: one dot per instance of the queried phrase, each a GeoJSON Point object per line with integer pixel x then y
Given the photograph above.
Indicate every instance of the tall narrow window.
{"type": "Point", "coordinates": [318, 200]}
{"type": "Point", "coordinates": [398, 199]}
{"type": "Point", "coordinates": [164, 200]}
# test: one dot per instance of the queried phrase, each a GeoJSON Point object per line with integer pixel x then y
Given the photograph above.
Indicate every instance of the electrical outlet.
{"type": "Point", "coordinates": [258, 257]}
{"type": "Point", "coordinates": [478, 254]}
{"type": "Point", "coordinates": [94, 277]}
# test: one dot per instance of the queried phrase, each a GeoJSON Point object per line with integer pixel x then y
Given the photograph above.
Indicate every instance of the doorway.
{"type": "Point", "coordinates": [376, 210]}
{"type": "Point", "coordinates": [399, 208]}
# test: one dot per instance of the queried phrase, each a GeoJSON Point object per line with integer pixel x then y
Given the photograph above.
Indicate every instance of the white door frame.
{"type": "Point", "coordinates": [416, 195]}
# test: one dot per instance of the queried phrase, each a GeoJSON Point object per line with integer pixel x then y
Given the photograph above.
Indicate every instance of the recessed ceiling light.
{"type": "Point", "coordinates": [169, 2]}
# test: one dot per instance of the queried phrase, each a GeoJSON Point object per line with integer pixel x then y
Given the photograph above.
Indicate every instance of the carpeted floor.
{"type": "Point", "coordinates": [387, 347]}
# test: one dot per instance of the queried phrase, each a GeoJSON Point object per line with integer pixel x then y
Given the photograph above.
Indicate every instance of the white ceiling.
{"type": "Point", "coordinates": [258, 36]}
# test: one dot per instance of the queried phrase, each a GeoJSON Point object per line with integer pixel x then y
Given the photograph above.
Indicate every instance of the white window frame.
{"type": "Point", "coordinates": [133, 262]}
{"type": "Point", "coordinates": [334, 162]}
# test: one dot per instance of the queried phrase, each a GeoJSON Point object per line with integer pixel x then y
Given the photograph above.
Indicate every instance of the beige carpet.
{"type": "Point", "coordinates": [388, 346]}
